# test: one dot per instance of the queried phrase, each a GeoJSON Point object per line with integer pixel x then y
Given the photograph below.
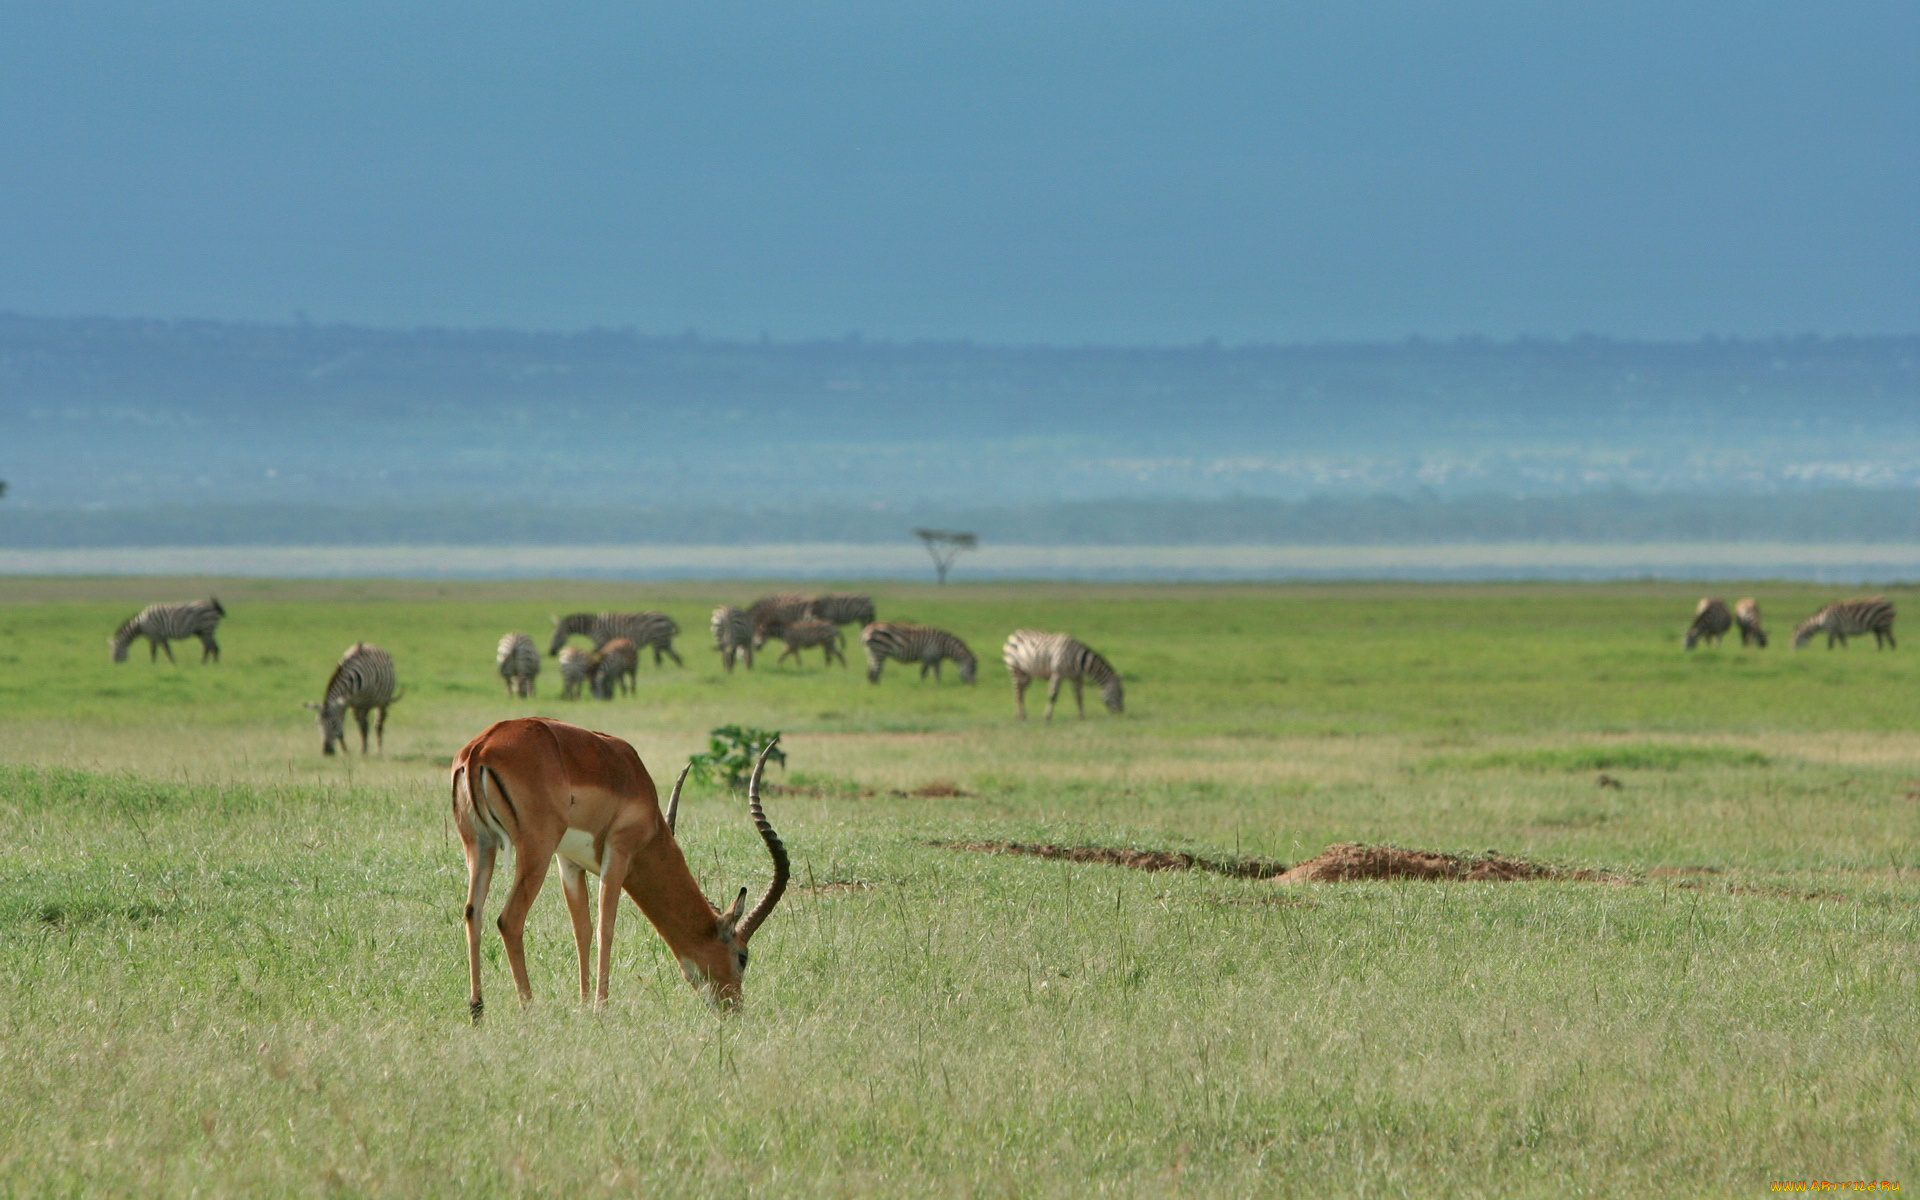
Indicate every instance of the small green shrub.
{"type": "Point", "coordinates": [731, 751]}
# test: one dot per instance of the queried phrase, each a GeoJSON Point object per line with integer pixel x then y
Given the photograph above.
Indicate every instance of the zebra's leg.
{"type": "Point", "coordinates": [1020, 682]}
{"type": "Point", "coordinates": [1079, 700]}
{"type": "Point", "coordinates": [573, 881]}
{"type": "Point", "coordinates": [360, 719]}
{"type": "Point", "coordinates": [1053, 693]}
{"type": "Point", "coordinates": [936, 670]}
{"type": "Point", "coordinates": [209, 648]}
{"type": "Point", "coordinates": [672, 654]}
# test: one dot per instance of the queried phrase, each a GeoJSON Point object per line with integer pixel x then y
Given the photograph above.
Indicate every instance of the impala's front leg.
{"type": "Point", "coordinates": [530, 865]}
{"type": "Point", "coordinates": [613, 870]}
{"type": "Point", "coordinates": [573, 881]}
{"type": "Point", "coordinates": [479, 875]}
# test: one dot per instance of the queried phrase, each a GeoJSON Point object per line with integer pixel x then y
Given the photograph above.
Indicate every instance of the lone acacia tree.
{"type": "Point", "coordinates": [945, 545]}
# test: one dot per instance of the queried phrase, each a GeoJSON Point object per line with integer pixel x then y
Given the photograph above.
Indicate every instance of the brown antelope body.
{"type": "Point", "coordinates": [548, 788]}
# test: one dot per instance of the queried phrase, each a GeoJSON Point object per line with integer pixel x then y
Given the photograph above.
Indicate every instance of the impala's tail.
{"type": "Point", "coordinates": [470, 800]}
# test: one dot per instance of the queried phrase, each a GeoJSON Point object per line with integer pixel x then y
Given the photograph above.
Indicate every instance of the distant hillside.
{"type": "Point", "coordinates": [127, 414]}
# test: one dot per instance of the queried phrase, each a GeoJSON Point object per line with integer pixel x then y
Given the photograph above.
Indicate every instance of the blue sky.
{"type": "Point", "coordinates": [1032, 172]}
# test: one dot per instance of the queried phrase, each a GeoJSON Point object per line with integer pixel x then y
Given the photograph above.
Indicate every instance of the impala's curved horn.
{"type": "Point", "coordinates": [775, 847]}
{"type": "Point", "coordinates": [673, 801]}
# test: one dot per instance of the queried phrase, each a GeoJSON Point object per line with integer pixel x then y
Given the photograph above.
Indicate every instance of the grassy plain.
{"type": "Point", "coordinates": [231, 967]}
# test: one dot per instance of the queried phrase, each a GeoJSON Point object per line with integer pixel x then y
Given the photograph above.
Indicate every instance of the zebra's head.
{"type": "Point", "coordinates": [563, 628]}
{"type": "Point", "coordinates": [333, 724]}
{"type": "Point", "coordinates": [1804, 631]}
{"type": "Point", "coordinates": [969, 666]}
{"type": "Point", "coordinates": [1111, 693]}
{"type": "Point", "coordinates": [123, 637]}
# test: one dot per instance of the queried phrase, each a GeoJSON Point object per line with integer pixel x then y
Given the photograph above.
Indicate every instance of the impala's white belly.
{"type": "Point", "coordinates": [576, 846]}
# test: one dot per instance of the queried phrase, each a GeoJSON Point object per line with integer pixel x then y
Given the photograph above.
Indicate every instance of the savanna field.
{"type": "Point", "coordinates": [230, 966]}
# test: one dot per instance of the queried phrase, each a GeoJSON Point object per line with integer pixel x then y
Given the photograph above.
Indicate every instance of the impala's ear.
{"type": "Point", "coordinates": [731, 917]}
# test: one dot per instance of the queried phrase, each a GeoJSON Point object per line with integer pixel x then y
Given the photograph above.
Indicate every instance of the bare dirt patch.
{"type": "Point", "coordinates": [938, 789]}
{"type": "Point", "coordinates": [1350, 861]}
{"type": "Point", "coordinates": [1118, 856]}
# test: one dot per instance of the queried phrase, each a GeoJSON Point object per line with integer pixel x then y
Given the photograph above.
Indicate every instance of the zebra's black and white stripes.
{"type": "Point", "coordinates": [652, 629]}
{"type": "Point", "coordinates": [1031, 654]}
{"type": "Point", "coordinates": [363, 681]}
{"type": "Point", "coordinates": [575, 666]}
{"type": "Point", "coordinates": [772, 614]}
{"type": "Point", "coordinates": [1849, 618]}
{"type": "Point", "coordinates": [519, 662]}
{"type": "Point", "coordinates": [1746, 614]}
{"type": "Point", "coordinates": [732, 635]}
{"type": "Point", "coordinates": [163, 623]}
{"type": "Point", "coordinates": [846, 609]}
{"type": "Point", "coordinates": [1711, 620]}
{"type": "Point", "coordinates": [921, 644]}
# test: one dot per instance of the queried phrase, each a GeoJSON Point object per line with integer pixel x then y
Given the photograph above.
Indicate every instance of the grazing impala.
{"type": "Point", "coordinates": [547, 788]}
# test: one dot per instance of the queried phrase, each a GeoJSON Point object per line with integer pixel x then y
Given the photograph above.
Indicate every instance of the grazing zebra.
{"type": "Point", "coordinates": [519, 661]}
{"type": "Point", "coordinates": [614, 665]}
{"type": "Point", "coordinates": [574, 671]}
{"type": "Point", "coordinates": [1746, 614]}
{"type": "Point", "coordinates": [1849, 618]}
{"type": "Point", "coordinates": [1030, 655]}
{"type": "Point", "coordinates": [842, 609]}
{"type": "Point", "coordinates": [915, 643]}
{"type": "Point", "coordinates": [654, 629]}
{"type": "Point", "coordinates": [161, 623]}
{"type": "Point", "coordinates": [1711, 620]}
{"type": "Point", "coordinates": [771, 614]}
{"type": "Point", "coordinates": [362, 681]}
{"type": "Point", "coordinates": [812, 631]}
{"type": "Point", "coordinates": [732, 634]}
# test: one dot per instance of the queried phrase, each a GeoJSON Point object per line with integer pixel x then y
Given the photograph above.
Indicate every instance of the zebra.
{"type": "Point", "coordinates": [915, 643]}
{"type": "Point", "coordinates": [654, 629]}
{"type": "Point", "coordinates": [1746, 614]}
{"type": "Point", "coordinates": [161, 623]}
{"type": "Point", "coordinates": [771, 614]}
{"type": "Point", "coordinates": [614, 665]}
{"type": "Point", "coordinates": [362, 681]}
{"type": "Point", "coordinates": [1711, 620]}
{"type": "Point", "coordinates": [519, 661]}
{"type": "Point", "coordinates": [812, 631]}
{"type": "Point", "coordinates": [1030, 655]}
{"type": "Point", "coordinates": [732, 634]}
{"type": "Point", "coordinates": [573, 671]}
{"type": "Point", "coordinates": [1849, 618]}
{"type": "Point", "coordinates": [842, 609]}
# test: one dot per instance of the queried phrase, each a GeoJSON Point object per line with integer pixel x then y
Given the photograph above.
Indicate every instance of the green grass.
{"type": "Point", "coordinates": [229, 966]}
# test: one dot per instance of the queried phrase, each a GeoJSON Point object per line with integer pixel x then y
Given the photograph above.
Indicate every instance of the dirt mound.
{"type": "Point", "coordinates": [939, 789]}
{"type": "Point", "coordinates": [1349, 861]}
{"type": "Point", "coordinates": [1138, 860]}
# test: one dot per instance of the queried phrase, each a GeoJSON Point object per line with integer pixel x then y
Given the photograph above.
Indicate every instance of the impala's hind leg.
{"type": "Point", "coordinates": [573, 881]}
{"type": "Point", "coordinates": [530, 864]}
{"type": "Point", "coordinates": [480, 854]}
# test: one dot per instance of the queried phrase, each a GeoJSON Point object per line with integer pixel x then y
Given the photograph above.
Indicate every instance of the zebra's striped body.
{"type": "Point", "coordinates": [921, 644]}
{"type": "Point", "coordinates": [1031, 654]}
{"type": "Point", "coordinates": [1711, 620]}
{"type": "Point", "coordinates": [163, 623]}
{"type": "Point", "coordinates": [732, 634]}
{"type": "Point", "coordinates": [363, 681]}
{"type": "Point", "coordinates": [1849, 618]}
{"type": "Point", "coordinates": [771, 614]}
{"type": "Point", "coordinates": [519, 661]}
{"type": "Point", "coordinates": [573, 671]}
{"type": "Point", "coordinates": [653, 629]}
{"type": "Point", "coordinates": [812, 631]}
{"type": "Point", "coordinates": [614, 665]}
{"type": "Point", "coordinates": [842, 609]}
{"type": "Point", "coordinates": [1746, 614]}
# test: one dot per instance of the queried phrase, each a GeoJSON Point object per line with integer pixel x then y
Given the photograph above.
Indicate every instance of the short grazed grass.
{"type": "Point", "coordinates": [231, 967]}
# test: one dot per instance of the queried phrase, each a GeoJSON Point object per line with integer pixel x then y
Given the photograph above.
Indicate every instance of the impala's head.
{"type": "Point", "coordinates": [721, 964]}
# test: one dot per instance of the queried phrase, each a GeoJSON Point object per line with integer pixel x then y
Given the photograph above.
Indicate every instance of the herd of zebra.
{"type": "Point", "coordinates": [1839, 621]}
{"type": "Point", "coordinates": [363, 681]}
